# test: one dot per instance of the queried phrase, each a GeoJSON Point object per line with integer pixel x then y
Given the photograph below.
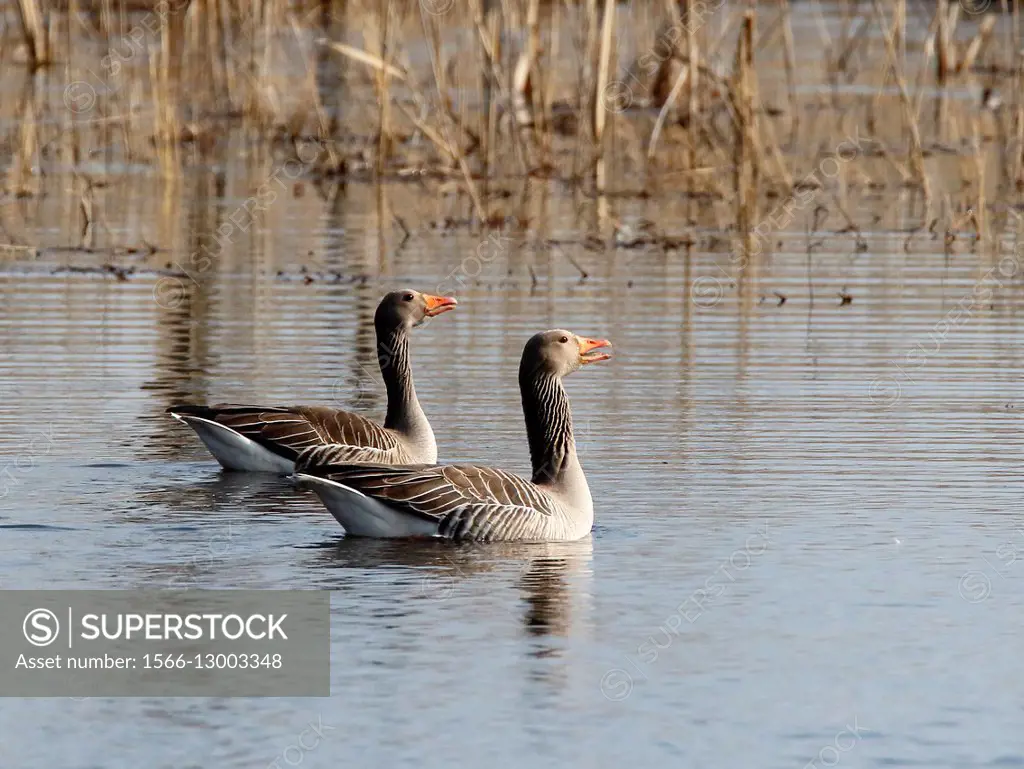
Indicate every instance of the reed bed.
{"type": "Point", "coordinates": [771, 112]}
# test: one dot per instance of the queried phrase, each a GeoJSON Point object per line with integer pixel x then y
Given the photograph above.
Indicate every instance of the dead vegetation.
{"type": "Point", "coordinates": [755, 122]}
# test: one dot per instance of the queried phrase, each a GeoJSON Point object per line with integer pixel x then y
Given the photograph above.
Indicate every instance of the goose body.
{"type": "Point", "coordinates": [471, 502]}
{"type": "Point", "coordinates": [268, 439]}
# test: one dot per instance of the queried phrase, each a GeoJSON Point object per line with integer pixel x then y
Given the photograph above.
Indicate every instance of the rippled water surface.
{"type": "Point", "coordinates": [808, 512]}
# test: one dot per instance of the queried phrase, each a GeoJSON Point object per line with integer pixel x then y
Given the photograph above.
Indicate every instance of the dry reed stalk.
{"type": "Point", "coordinates": [715, 143]}
{"type": "Point", "coordinates": [21, 182]}
{"type": "Point", "coordinates": [754, 138]}
{"type": "Point", "coordinates": [547, 93]}
{"type": "Point", "coordinates": [789, 61]}
{"type": "Point", "coordinates": [208, 23]}
{"type": "Point", "coordinates": [852, 43]}
{"type": "Point", "coordinates": [490, 26]}
{"type": "Point", "coordinates": [899, 32]}
{"type": "Point", "coordinates": [980, 214]}
{"type": "Point", "coordinates": [589, 100]}
{"type": "Point", "coordinates": [323, 122]}
{"type": "Point", "coordinates": [224, 45]}
{"type": "Point", "coordinates": [1018, 90]}
{"type": "Point", "coordinates": [974, 47]}
{"type": "Point", "coordinates": [910, 116]}
{"type": "Point", "coordinates": [487, 95]}
{"type": "Point", "coordinates": [745, 180]}
{"type": "Point", "coordinates": [33, 29]}
{"type": "Point", "coordinates": [431, 34]}
{"type": "Point", "coordinates": [929, 48]}
{"type": "Point", "coordinates": [364, 57]}
{"type": "Point", "coordinates": [393, 71]}
{"type": "Point", "coordinates": [677, 86]}
{"type": "Point", "coordinates": [383, 87]}
{"type": "Point", "coordinates": [166, 71]}
{"type": "Point", "coordinates": [600, 109]}
{"type": "Point", "coordinates": [489, 30]}
{"type": "Point", "coordinates": [949, 15]}
{"type": "Point", "coordinates": [522, 76]}
{"type": "Point", "coordinates": [693, 86]}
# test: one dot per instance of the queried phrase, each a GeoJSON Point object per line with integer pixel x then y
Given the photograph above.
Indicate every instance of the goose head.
{"type": "Point", "coordinates": [408, 308]}
{"type": "Point", "coordinates": [558, 352]}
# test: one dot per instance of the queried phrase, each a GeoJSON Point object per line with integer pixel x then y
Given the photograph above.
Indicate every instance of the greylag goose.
{"type": "Point", "coordinates": [267, 439]}
{"type": "Point", "coordinates": [468, 502]}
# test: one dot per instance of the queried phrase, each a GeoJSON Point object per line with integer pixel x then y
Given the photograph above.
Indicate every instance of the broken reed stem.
{"type": "Point", "coordinates": [681, 80]}
{"type": "Point", "coordinates": [975, 46]}
{"type": "Point", "coordinates": [357, 54]}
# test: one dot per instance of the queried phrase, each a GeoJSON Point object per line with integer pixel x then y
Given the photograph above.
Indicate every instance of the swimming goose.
{"type": "Point", "coordinates": [468, 502]}
{"type": "Point", "coordinates": [267, 439]}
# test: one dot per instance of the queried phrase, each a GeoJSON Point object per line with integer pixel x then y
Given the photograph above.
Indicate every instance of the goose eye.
{"type": "Point", "coordinates": [564, 339]}
{"type": "Point", "coordinates": [407, 298]}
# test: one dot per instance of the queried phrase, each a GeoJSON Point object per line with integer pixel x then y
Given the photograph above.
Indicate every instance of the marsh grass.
{"type": "Point", "coordinates": [734, 108]}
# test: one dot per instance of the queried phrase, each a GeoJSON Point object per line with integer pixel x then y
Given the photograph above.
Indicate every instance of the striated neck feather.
{"type": "Point", "coordinates": [548, 425]}
{"type": "Point", "coordinates": [396, 369]}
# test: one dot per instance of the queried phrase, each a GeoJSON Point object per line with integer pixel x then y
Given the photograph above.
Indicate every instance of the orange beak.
{"type": "Point", "coordinates": [594, 350]}
{"type": "Point", "coordinates": [438, 304]}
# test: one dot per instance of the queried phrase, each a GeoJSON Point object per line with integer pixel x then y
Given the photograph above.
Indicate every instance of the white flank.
{"type": "Point", "coordinates": [233, 450]}
{"type": "Point", "coordinates": [363, 516]}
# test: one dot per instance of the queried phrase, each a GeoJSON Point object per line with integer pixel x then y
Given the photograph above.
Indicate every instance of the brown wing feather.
{"type": "Point", "coordinates": [466, 501]}
{"type": "Point", "coordinates": [337, 453]}
{"type": "Point", "coordinates": [348, 429]}
{"type": "Point", "coordinates": [288, 430]}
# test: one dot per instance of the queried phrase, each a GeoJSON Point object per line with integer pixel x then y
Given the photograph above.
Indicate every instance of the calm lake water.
{"type": "Point", "coordinates": [807, 482]}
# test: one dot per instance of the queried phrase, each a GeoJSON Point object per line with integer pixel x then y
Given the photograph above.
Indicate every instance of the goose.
{"type": "Point", "coordinates": [267, 439]}
{"type": "Point", "coordinates": [470, 502]}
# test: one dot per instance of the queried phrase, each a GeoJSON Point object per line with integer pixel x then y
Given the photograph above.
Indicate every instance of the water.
{"type": "Point", "coordinates": [806, 513]}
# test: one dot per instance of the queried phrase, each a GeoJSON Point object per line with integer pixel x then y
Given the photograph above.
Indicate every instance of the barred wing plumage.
{"type": "Point", "coordinates": [340, 454]}
{"type": "Point", "coordinates": [288, 430]}
{"type": "Point", "coordinates": [466, 501]}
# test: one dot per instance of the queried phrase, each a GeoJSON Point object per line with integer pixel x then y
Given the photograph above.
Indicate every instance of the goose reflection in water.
{"type": "Point", "coordinates": [552, 578]}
